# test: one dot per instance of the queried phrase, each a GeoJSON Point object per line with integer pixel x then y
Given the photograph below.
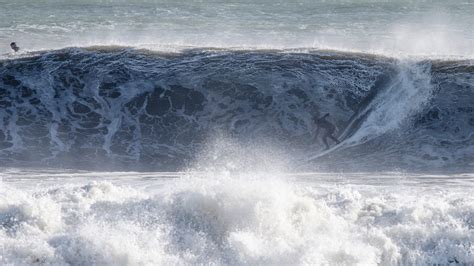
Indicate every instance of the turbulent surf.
{"type": "Point", "coordinates": [122, 108]}
{"type": "Point", "coordinates": [156, 132]}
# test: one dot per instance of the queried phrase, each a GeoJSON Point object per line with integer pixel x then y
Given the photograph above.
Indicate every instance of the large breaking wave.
{"type": "Point", "coordinates": [124, 108]}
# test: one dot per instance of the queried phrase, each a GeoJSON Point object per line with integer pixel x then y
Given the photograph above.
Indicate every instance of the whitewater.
{"type": "Point", "coordinates": [181, 132]}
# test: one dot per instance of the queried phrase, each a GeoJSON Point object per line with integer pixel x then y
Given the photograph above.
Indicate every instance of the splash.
{"type": "Point", "coordinates": [240, 218]}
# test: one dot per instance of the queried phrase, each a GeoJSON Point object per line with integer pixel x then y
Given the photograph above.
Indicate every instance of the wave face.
{"type": "Point", "coordinates": [117, 107]}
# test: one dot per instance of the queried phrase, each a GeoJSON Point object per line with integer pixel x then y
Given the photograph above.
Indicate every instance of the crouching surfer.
{"type": "Point", "coordinates": [328, 128]}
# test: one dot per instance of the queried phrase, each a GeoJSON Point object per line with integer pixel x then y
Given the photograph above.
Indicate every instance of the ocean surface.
{"type": "Point", "coordinates": [181, 132]}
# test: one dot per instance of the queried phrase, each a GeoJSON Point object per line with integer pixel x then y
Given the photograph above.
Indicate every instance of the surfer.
{"type": "Point", "coordinates": [14, 47]}
{"type": "Point", "coordinates": [329, 129]}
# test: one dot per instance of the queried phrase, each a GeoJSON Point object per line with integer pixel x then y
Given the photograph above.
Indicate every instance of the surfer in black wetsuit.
{"type": "Point", "coordinates": [328, 127]}
{"type": "Point", "coordinates": [14, 47]}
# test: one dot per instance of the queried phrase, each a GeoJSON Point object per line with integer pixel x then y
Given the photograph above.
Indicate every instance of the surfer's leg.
{"type": "Point", "coordinates": [325, 140]}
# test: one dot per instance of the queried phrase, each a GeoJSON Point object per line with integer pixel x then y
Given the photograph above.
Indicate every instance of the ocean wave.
{"type": "Point", "coordinates": [118, 107]}
{"type": "Point", "coordinates": [180, 49]}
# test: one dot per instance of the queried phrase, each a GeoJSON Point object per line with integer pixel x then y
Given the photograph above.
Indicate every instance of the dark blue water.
{"type": "Point", "coordinates": [132, 109]}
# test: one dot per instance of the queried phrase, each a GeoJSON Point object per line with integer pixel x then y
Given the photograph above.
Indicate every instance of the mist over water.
{"type": "Point", "coordinates": [182, 132]}
{"type": "Point", "coordinates": [400, 28]}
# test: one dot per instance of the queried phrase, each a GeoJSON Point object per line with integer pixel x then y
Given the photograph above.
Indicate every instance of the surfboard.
{"type": "Point", "coordinates": [320, 154]}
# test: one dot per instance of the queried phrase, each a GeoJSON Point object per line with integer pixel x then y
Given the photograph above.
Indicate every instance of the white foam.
{"type": "Point", "coordinates": [403, 98]}
{"type": "Point", "coordinates": [254, 219]}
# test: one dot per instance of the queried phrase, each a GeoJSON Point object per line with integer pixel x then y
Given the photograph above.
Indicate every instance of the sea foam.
{"type": "Point", "coordinates": [215, 218]}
